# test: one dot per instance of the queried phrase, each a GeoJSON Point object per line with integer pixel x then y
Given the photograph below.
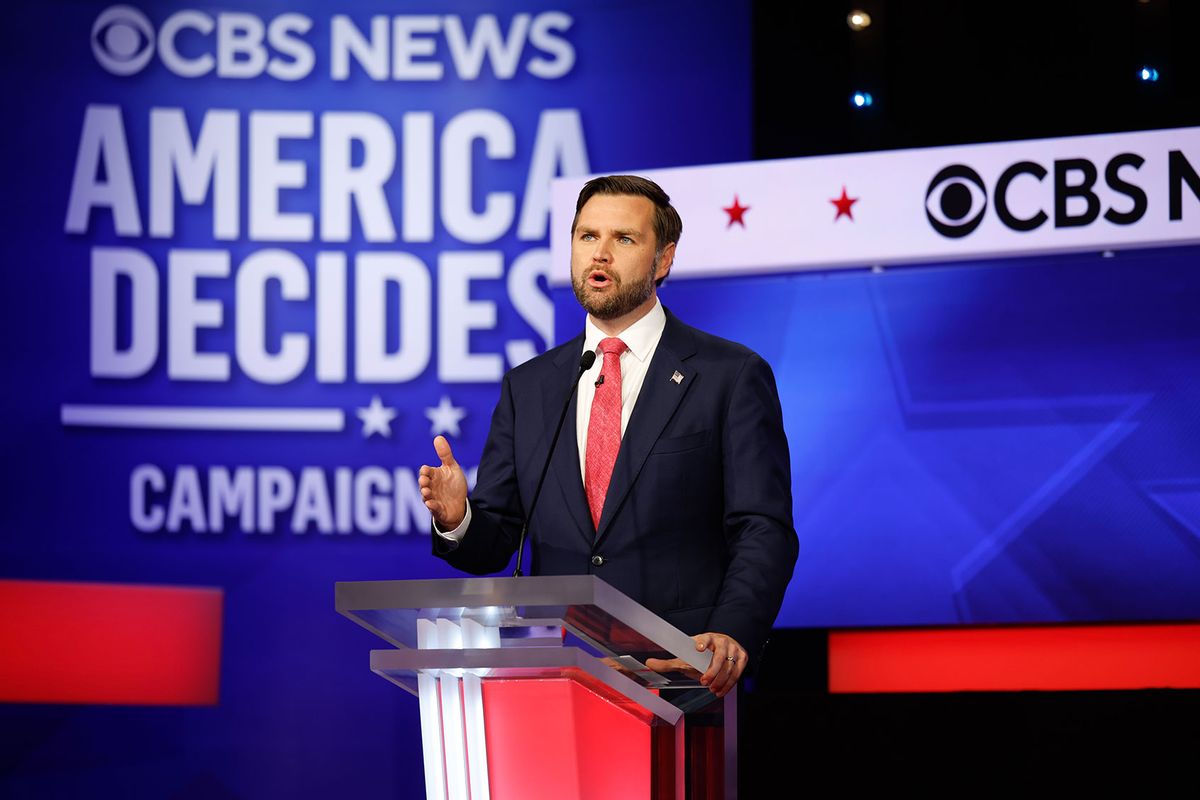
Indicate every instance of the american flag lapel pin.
{"type": "Point", "coordinates": [677, 377]}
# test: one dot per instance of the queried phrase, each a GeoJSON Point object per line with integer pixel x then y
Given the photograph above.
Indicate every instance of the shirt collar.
{"type": "Point", "coordinates": [640, 337]}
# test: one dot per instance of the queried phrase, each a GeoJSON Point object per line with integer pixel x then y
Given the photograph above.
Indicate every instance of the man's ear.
{"type": "Point", "coordinates": [665, 261]}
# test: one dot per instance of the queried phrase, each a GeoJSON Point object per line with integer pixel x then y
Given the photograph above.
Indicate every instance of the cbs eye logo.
{"type": "Point", "coordinates": [122, 40]}
{"type": "Point", "coordinates": [955, 201]}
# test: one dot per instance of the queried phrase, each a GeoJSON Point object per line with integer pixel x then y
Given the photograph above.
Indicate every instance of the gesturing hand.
{"type": "Point", "coordinates": [444, 488]}
{"type": "Point", "coordinates": [728, 664]}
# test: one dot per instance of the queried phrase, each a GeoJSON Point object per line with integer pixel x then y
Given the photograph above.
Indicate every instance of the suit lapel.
{"type": "Point", "coordinates": [565, 463]}
{"type": "Point", "coordinates": [661, 394]}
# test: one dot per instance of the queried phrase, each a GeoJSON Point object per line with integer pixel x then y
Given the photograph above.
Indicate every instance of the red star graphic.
{"type": "Point", "coordinates": [843, 204]}
{"type": "Point", "coordinates": [736, 212]}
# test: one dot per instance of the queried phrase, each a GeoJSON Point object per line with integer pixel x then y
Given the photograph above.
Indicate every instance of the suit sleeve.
{"type": "Point", "coordinates": [496, 509]}
{"type": "Point", "coordinates": [761, 540]}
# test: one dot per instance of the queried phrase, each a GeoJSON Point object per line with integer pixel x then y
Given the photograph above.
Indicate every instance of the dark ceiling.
{"type": "Point", "coordinates": [956, 72]}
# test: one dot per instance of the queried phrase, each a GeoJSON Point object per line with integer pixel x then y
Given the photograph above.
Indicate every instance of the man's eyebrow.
{"type": "Point", "coordinates": [613, 232]}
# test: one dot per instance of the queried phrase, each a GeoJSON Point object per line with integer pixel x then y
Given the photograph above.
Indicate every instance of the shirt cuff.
{"type": "Point", "coordinates": [458, 533]}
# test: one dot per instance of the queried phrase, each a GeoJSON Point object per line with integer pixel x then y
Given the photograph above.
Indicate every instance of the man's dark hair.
{"type": "Point", "coordinates": [668, 227]}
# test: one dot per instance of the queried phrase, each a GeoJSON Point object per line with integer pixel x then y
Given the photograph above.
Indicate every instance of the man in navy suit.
{"type": "Point", "coordinates": [671, 480]}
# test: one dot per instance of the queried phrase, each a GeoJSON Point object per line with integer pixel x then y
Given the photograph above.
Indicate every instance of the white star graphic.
{"type": "Point", "coordinates": [376, 418]}
{"type": "Point", "coordinates": [445, 417]}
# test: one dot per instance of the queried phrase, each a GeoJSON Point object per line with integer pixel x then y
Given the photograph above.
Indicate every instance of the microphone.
{"type": "Point", "coordinates": [585, 363]}
{"type": "Point", "coordinates": [599, 381]}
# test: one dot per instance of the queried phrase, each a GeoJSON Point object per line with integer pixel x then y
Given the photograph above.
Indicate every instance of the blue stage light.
{"type": "Point", "coordinates": [862, 99]}
{"type": "Point", "coordinates": [1148, 74]}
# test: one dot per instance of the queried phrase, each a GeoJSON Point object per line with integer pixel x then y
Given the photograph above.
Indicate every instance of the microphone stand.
{"type": "Point", "coordinates": [585, 363]}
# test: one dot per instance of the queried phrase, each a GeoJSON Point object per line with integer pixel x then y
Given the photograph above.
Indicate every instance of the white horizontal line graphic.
{"type": "Point", "coordinates": [205, 418]}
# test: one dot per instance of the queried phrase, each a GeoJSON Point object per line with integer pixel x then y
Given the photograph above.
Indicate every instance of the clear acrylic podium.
{"type": "Point", "coordinates": [537, 687]}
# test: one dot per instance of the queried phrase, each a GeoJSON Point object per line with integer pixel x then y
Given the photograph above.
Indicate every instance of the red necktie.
{"type": "Point", "coordinates": [604, 428]}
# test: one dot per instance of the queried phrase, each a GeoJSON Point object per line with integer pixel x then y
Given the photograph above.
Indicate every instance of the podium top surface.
{"type": "Point", "coordinates": [524, 610]}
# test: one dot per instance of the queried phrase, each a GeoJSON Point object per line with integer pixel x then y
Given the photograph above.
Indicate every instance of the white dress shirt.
{"type": "Point", "coordinates": [641, 340]}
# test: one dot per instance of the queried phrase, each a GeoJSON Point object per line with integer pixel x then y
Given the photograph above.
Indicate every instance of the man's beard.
{"type": "Point", "coordinates": [612, 305]}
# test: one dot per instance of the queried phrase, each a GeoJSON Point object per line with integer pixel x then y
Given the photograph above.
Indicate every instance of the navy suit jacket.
{"type": "Point", "coordinates": [697, 522]}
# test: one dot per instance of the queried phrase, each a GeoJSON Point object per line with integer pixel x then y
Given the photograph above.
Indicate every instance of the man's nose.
{"type": "Point", "coordinates": [601, 253]}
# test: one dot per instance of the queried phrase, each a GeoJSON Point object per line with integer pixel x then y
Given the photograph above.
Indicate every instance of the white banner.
{"type": "Point", "coordinates": [1078, 193]}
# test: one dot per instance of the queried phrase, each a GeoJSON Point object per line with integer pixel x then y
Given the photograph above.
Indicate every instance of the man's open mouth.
{"type": "Point", "coordinates": [597, 278]}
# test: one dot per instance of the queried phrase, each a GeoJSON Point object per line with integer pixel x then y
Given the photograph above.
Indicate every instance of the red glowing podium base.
{"type": "Point", "coordinates": [537, 688]}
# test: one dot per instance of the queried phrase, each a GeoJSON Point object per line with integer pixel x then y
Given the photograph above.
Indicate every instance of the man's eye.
{"type": "Point", "coordinates": [587, 237]}
{"type": "Point", "coordinates": [626, 240]}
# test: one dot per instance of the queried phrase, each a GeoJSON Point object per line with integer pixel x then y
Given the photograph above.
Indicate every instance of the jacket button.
{"type": "Point", "coordinates": [597, 561]}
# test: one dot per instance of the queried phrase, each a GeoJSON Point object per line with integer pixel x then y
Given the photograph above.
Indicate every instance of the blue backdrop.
{"type": "Point", "coordinates": [469, 101]}
{"type": "Point", "coordinates": [992, 442]}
